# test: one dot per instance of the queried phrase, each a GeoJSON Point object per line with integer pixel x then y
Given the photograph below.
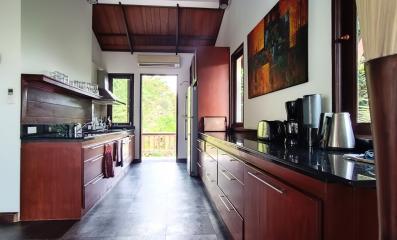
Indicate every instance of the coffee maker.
{"type": "Point", "coordinates": [292, 124]}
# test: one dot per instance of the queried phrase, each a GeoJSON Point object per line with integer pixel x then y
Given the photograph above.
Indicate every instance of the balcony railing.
{"type": "Point", "coordinates": [159, 144]}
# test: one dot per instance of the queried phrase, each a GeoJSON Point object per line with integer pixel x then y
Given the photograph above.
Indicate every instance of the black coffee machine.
{"type": "Point", "coordinates": [294, 121]}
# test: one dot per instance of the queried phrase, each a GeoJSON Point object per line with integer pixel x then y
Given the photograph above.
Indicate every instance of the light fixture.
{"type": "Point", "coordinates": [223, 4]}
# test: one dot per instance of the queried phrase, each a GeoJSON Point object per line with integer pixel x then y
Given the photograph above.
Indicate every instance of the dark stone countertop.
{"type": "Point", "coordinates": [82, 138]}
{"type": "Point", "coordinates": [327, 166]}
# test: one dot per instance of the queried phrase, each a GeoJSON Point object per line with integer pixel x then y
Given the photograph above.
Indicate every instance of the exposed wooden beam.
{"type": "Point", "coordinates": [177, 30]}
{"type": "Point", "coordinates": [171, 37]}
{"type": "Point", "coordinates": [165, 49]}
{"type": "Point", "coordinates": [126, 27]}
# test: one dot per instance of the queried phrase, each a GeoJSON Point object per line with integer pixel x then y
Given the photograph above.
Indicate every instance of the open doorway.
{"type": "Point", "coordinates": [159, 117]}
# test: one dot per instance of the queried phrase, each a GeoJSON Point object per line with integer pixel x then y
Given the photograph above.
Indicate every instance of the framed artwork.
{"type": "Point", "coordinates": [278, 49]}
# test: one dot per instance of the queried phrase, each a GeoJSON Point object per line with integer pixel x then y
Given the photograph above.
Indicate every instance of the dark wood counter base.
{"type": "Point", "coordinates": [62, 180]}
{"type": "Point", "coordinates": [260, 199]}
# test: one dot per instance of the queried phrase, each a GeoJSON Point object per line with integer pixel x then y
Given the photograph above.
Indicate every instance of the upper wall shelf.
{"type": "Point", "coordinates": [52, 84]}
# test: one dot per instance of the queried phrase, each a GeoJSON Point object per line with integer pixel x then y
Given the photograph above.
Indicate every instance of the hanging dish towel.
{"type": "Point", "coordinates": [108, 170]}
{"type": "Point", "coordinates": [118, 153]}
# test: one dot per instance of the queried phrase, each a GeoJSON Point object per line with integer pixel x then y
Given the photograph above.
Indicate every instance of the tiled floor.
{"type": "Point", "coordinates": [156, 200]}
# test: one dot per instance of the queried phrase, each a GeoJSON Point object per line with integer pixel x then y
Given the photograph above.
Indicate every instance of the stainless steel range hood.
{"type": "Point", "coordinates": [108, 98]}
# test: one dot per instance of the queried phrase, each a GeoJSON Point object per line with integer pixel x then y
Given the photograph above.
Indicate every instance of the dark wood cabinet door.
{"type": "Point", "coordinates": [273, 210]}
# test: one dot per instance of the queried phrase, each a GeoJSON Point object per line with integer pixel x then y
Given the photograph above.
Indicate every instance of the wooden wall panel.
{"type": "Point", "coordinates": [212, 82]}
{"type": "Point", "coordinates": [44, 107]}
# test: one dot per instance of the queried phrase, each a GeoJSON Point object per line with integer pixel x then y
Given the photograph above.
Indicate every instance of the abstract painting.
{"type": "Point", "coordinates": [278, 49]}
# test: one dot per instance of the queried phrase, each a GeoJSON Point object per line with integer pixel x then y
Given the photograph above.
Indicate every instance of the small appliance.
{"type": "Point", "coordinates": [270, 130]}
{"type": "Point", "coordinates": [291, 125]}
{"type": "Point", "coordinates": [325, 127]}
{"type": "Point", "coordinates": [311, 117]}
{"type": "Point", "coordinates": [341, 135]}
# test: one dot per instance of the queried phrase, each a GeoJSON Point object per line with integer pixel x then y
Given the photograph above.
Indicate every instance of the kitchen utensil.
{"type": "Point", "coordinates": [341, 133]}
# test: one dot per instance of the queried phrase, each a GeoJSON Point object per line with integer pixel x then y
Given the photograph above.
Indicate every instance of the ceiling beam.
{"type": "Point", "coordinates": [126, 27]}
{"type": "Point", "coordinates": [177, 30]}
{"type": "Point", "coordinates": [198, 38]}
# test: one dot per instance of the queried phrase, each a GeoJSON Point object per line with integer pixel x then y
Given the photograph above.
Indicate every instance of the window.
{"type": "Point", "coordinates": [349, 81]}
{"type": "Point", "coordinates": [363, 115]}
{"type": "Point", "coordinates": [122, 87]}
{"type": "Point", "coordinates": [237, 87]}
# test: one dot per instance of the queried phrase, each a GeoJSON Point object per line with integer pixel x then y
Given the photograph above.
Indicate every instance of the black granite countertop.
{"type": "Point", "coordinates": [328, 166]}
{"type": "Point", "coordinates": [82, 137]}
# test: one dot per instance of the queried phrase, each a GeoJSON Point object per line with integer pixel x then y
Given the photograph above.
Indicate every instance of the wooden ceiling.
{"type": "Point", "coordinates": [155, 29]}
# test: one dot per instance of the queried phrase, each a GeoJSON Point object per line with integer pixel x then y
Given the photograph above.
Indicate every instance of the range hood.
{"type": "Point", "coordinates": [107, 97]}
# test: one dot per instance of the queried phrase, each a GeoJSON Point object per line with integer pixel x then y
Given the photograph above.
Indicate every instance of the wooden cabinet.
{"type": "Point", "coordinates": [275, 202]}
{"type": "Point", "coordinates": [232, 188]}
{"type": "Point", "coordinates": [229, 214]}
{"type": "Point", "coordinates": [212, 82]}
{"type": "Point", "coordinates": [274, 210]}
{"type": "Point", "coordinates": [69, 176]}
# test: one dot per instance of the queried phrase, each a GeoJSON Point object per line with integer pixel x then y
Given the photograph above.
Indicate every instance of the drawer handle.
{"type": "Point", "coordinates": [224, 203]}
{"type": "Point", "coordinates": [198, 164]}
{"type": "Point", "coordinates": [96, 147]}
{"type": "Point", "coordinates": [226, 176]}
{"type": "Point", "coordinates": [267, 184]}
{"type": "Point", "coordinates": [96, 181]}
{"type": "Point", "coordinates": [198, 149]}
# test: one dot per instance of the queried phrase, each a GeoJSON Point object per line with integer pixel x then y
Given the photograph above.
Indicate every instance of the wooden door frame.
{"type": "Point", "coordinates": [140, 112]}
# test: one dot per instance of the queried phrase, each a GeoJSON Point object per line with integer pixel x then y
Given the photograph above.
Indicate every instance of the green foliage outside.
{"type": "Point", "coordinates": [159, 116]}
{"type": "Point", "coordinates": [120, 112]}
{"type": "Point", "coordinates": [363, 113]}
{"type": "Point", "coordinates": [363, 102]}
{"type": "Point", "coordinates": [158, 106]}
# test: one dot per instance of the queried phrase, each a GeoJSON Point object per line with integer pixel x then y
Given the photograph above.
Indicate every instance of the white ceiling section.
{"type": "Point", "coordinates": [173, 3]}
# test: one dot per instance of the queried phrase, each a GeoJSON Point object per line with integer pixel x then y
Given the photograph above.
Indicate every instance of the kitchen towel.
{"type": "Point", "coordinates": [108, 170]}
{"type": "Point", "coordinates": [118, 153]}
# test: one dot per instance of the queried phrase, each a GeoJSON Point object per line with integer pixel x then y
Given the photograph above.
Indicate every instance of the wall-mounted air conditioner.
{"type": "Point", "coordinates": [164, 61]}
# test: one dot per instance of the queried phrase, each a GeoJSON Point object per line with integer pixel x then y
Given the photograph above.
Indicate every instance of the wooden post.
{"type": "Point", "coordinates": [382, 88]}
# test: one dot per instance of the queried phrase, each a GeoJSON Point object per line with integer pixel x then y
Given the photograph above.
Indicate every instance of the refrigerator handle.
{"type": "Point", "coordinates": [186, 119]}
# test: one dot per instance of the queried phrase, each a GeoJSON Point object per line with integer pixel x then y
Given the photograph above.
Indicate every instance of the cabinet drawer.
{"type": "Point", "coordinates": [229, 215]}
{"type": "Point", "coordinates": [232, 164]}
{"type": "Point", "coordinates": [92, 168]}
{"type": "Point", "coordinates": [209, 167]}
{"type": "Point", "coordinates": [126, 148]}
{"type": "Point", "coordinates": [211, 150]}
{"type": "Point", "coordinates": [93, 191]}
{"type": "Point", "coordinates": [232, 188]}
{"type": "Point", "coordinates": [93, 151]}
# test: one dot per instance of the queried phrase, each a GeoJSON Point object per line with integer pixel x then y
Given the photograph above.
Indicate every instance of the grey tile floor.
{"type": "Point", "coordinates": [155, 200]}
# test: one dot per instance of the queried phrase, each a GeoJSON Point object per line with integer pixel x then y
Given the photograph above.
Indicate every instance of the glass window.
{"type": "Point", "coordinates": [239, 89]}
{"type": "Point", "coordinates": [363, 115]}
{"type": "Point", "coordinates": [121, 87]}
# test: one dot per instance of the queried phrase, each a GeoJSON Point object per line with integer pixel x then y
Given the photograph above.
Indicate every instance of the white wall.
{"type": "Point", "coordinates": [126, 63]}
{"type": "Point", "coordinates": [242, 16]}
{"type": "Point", "coordinates": [57, 36]}
{"type": "Point", "coordinates": [10, 70]}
